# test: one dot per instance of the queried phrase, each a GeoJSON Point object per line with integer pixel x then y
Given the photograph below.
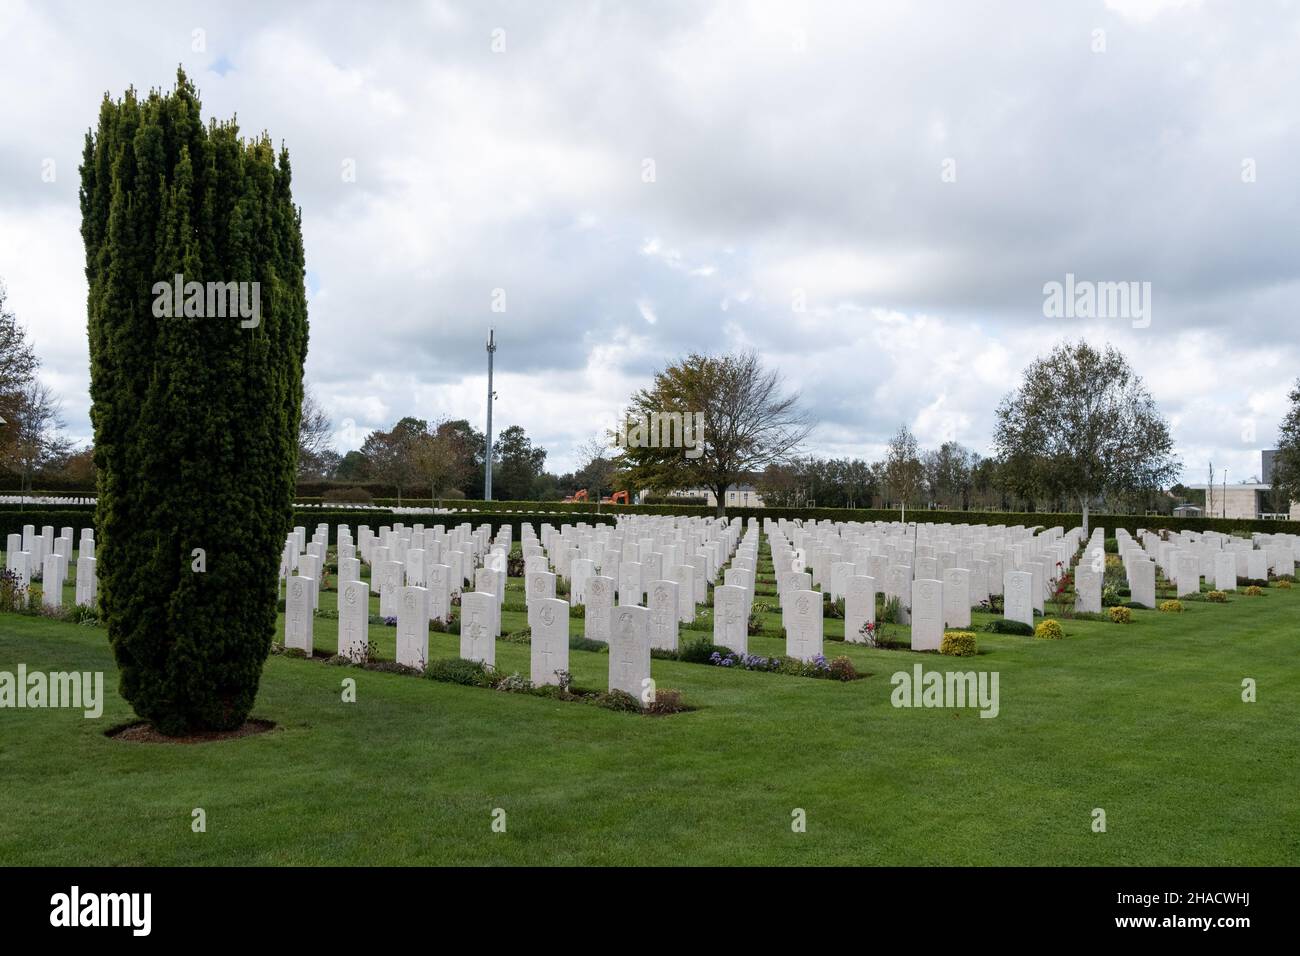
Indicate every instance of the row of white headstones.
{"type": "Point", "coordinates": [658, 568]}
{"type": "Point", "coordinates": [32, 553]}
{"type": "Point", "coordinates": [937, 572]}
{"type": "Point", "coordinates": [420, 572]}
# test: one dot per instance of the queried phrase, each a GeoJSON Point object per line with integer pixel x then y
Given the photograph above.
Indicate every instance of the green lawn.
{"type": "Point", "coordinates": [1145, 721]}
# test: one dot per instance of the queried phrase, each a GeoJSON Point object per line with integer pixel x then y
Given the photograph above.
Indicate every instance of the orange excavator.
{"type": "Point", "coordinates": [617, 498]}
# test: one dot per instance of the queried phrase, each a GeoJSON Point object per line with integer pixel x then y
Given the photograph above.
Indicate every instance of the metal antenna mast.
{"type": "Point", "coordinates": [487, 470]}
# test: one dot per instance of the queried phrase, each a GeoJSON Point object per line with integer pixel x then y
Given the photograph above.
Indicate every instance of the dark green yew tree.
{"type": "Point", "coordinates": [195, 413]}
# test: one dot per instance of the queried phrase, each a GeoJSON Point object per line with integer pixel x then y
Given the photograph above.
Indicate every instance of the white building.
{"type": "Point", "coordinates": [738, 496]}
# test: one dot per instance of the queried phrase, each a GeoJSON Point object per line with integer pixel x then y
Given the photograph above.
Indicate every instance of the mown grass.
{"type": "Point", "coordinates": [1145, 721]}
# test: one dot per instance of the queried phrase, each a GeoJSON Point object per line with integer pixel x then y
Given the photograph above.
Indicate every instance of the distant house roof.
{"type": "Point", "coordinates": [1249, 486]}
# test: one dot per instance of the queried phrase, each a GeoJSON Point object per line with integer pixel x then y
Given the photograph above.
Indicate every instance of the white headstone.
{"type": "Point", "coordinates": [1018, 602]}
{"type": "Point", "coordinates": [413, 626]}
{"type": "Point", "coordinates": [391, 576]}
{"type": "Point", "coordinates": [354, 619]}
{"type": "Point", "coordinates": [550, 639]}
{"type": "Point", "coordinates": [731, 618]}
{"type": "Point", "coordinates": [663, 606]}
{"type": "Point", "coordinates": [629, 650]}
{"type": "Point", "coordinates": [1142, 582]}
{"type": "Point", "coordinates": [927, 614]}
{"type": "Point", "coordinates": [859, 607]}
{"type": "Point", "coordinates": [803, 625]}
{"type": "Point", "coordinates": [297, 614]}
{"type": "Point", "coordinates": [87, 582]}
{"type": "Point", "coordinates": [1256, 565]}
{"type": "Point", "coordinates": [956, 597]}
{"type": "Point", "coordinates": [1087, 588]}
{"type": "Point", "coordinates": [1225, 571]}
{"type": "Point", "coordinates": [630, 588]}
{"type": "Point", "coordinates": [438, 584]}
{"type": "Point", "coordinates": [1187, 572]}
{"type": "Point", "coordinates": [600, 602]}
{"type": "Point", "coordinates": [684, 575]}
{"type": "Point", "coordinates": [477, 642]}
{"type": "Point", "coordinates": [52, 580]}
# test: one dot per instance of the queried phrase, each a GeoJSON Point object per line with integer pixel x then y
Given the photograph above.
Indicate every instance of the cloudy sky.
{"type": "Point", "coordinates": [873, 195]}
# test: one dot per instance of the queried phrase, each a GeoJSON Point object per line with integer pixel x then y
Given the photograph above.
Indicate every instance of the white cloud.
{"type": "Point", "coordinates": [793, 153]}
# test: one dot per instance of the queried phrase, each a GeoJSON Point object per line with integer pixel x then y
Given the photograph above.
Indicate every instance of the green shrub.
{"type": "Point", "coordinates": [699, 650]}
{"type": "Point", "coordinates": [1088, 616]}
{"type": "Point", "coordinates": [1049, 630]}
{"type": "Point", "coordinates": [958, 644]}
{"type": "Point", "coordinates": [514, 684]}
{"type": "Point", "coordinates": [1007, 626]}
{"type": "Point", "coordinates": [578, 643]}
{"type": "Point", "coordinates": [888, 610]}
{"type": "Point", "coordinates": [457, 670]}
{"type": "Point", "coordinates": [667, 701]}
{"type": "Point", "coordinates": [391, 667]}
{"type": "Point", "coordinates": [620, 701]}
{"type": "Point", "coordinates": [790, 665]}
{"type": "Point", "coordinates": [842, 669]}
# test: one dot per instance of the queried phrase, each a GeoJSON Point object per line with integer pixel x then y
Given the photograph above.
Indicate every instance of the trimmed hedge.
{"type": "Point", "coordinates": [1046, 519]}
{"type": "Point", "coordinates": [39, 508]}
{"type": "Point", "coordinates": [514, 513]}
{"type": "Point", "coordinates": [11, 522]}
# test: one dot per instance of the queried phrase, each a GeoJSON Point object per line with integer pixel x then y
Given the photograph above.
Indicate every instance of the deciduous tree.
{"type": "Point", "coordinates": [1286, 463]}
{"type": "Point", "coordinates": [749, 422]}
{"type": "Point", "coordinates": [1081, 425]}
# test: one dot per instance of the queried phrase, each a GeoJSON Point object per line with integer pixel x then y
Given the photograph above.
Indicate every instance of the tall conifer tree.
{"type": "Point", "coordinates": [195, 418]}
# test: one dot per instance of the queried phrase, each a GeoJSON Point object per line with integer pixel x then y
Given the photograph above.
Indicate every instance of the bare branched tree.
{"type": "Point", "coordinates": [748, 423]}
{"type": "Point", "coordinates": [314, 432]}
{"type": "Point", "coordinates": [34, 432]}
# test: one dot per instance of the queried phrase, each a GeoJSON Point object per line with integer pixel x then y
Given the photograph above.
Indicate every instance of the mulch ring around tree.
{"type": "Point", "coordinates": [142, 732]}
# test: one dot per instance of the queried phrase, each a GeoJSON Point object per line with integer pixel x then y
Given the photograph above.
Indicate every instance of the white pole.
{"type": "Point", "coordinates": [487, 467]}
